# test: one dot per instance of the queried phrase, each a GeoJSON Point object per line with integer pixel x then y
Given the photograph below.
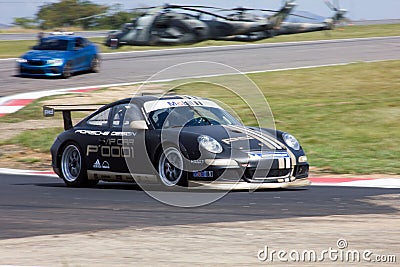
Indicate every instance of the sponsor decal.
{"type": "Point", "coordinates": [268, 155]}
{"type": "Point", "coordinates": [123, 134]}
{"type": "Point", "coordinates": [197, 161]}
{"type": "Point", "coordinates": [48, 112]}
{"type": "Point", "coordinates": [97, 164]}
{"type": "Point", "coordinates": [181, 103]}
{"type": "Point", "coordinates": [105, 165]}
{"type": "Point", "coordinates": [203, 174]}
{"type": "Point", "coordinates": [168, 103]}
{"type": "Point", "coordinates": [89, 132]}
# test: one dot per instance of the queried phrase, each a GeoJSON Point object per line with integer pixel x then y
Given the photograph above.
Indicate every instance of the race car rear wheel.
{"type": "Point", "coordinates": [66, 72]}
{"type": "Point", "coordinates": [73, 168]}
{"type": "Point", "coordinates": [171, 168]}
{"type": "Point", "coordinates": [95, 64]}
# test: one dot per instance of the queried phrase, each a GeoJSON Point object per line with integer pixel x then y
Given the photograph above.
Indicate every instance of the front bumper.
{"type": "Point", "coordinates": [257, 172]}
{"type": "Point", "coordinates": [45, 70]}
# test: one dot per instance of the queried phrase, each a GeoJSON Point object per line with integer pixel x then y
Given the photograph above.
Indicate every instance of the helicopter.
{"type": "Point", "coordinates": [338, 17]}
{"type": "Point", "coordinates": [292, 27]}
{"type": "Point", "coordinates": [176, 24]}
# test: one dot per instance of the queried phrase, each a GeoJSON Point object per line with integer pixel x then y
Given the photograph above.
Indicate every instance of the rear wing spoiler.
{"type": "Point", "coordinates": [50, 110]}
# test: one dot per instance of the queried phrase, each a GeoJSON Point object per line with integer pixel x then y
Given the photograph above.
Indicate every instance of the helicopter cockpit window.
{"type": "Point", "coordinates": [129, 26]}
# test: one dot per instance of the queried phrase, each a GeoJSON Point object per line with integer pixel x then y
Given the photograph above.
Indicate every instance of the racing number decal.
{"type": "Point", "coordinates": [113, 148]}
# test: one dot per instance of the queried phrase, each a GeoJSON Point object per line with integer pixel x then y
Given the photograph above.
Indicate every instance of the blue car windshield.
{"type": "Point", "coordinates": [52, 44]}
{"type": "Point", "coordinates": [188, 116]}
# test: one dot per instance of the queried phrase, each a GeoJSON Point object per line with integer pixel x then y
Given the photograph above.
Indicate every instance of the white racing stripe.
{"type": "Point", "coordinates": [281, 163]}
{"type": "Point", "coordinates": [292, 156]}
{"type": "Point", "coordinates": [261, 137]}
{"type": "Point", "coordinates": [272, 144]}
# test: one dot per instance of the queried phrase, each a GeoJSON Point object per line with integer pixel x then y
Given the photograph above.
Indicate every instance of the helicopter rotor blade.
{"type": "Point", "coordinates": [203, 12]}
{"type": "Point", "coordinates": [93, 16]}
{"type": "Point", "coordinates": [243, 9]}
{"type": "Point", "coordinates": [191, 6]}
{"type": "Point", "coordinates": [301, 16]}
{"type": "Point", "coordinates": [330, 5]}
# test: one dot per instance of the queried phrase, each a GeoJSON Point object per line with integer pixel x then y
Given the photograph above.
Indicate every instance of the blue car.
{"type": "Point", "coordinates": [60, 55]}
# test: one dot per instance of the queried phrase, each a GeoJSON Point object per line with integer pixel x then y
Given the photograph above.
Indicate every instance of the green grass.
{"type": "Point", "coordinates": [347, 118]}
{"type": "Point", "coordinates": [17, 48]}
{"type": "Point", "coordinates": [40, 140]}
{"type": "Point", "coordinates": [29, 160]}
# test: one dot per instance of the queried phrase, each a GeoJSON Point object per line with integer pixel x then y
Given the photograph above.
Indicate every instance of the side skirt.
{"type": "Point", "coordinates": [121, 177]}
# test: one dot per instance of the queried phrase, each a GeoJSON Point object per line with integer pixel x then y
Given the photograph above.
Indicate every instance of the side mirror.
{"type": "Point", "coordinates": [139, 125]}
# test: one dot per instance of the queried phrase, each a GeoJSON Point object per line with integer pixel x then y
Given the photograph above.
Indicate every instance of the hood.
{"type": "Point", "coordinates": [45, 54]}
{"type": "Point", "coordinates": [235, 137]}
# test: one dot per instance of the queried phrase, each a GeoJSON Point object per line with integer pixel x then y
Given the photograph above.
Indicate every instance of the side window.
{"type": "Point", "coordinates": [101, 119]}
{"type": "Point", "coordinates": [85, 42]}
{"type": "Point", "coordinates": [124, 114]}
{"type": "Point", "coordinates": [79, 43]}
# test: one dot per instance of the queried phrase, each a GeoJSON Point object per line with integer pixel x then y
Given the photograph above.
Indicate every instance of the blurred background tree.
{"type": "Point", "coordinates": [66, 12]}
{"type": "Point", "coordinates": [77, 13]}
{"type": "Point", "coordinates": [26, 23]}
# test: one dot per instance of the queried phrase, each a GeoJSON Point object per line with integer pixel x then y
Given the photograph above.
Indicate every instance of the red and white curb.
{"type": "Point", "coordinates": [351, 182]}
{"type": "Point", "coordinates": [11, 104]}
{"type": "Point", "coordinates": [27, 172]}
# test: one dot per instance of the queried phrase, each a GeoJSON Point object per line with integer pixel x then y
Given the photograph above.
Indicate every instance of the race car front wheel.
{"type": "Point", "coordinates": [170, 168]}
{"type": "Point", "coordinates": [73, 167]}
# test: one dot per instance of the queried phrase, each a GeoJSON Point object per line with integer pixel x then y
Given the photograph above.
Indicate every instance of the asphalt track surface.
{"type": "Point", "coordinates": [40, 205]}
{"type": "Point", "coordinates": [139, 66]}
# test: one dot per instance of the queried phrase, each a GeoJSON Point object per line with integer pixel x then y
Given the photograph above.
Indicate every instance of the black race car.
{"type": "Point", "coordinates": [173, 141]}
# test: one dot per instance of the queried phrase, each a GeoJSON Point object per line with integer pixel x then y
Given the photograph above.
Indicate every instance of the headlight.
{"type": "Point", "coordinates": [209, 144]}
{"type": "Point", "coordinates": [56, 61]}
{"type": "Point", "coordinates": [291, 141]}
{"type": "Point", "coordinates": [22, 60]}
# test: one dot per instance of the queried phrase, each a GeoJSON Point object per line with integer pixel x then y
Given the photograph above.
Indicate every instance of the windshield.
{"type": "Point", "coordinates": [52, 44]}
{"type": "Point", "coordinates": [188, 116]}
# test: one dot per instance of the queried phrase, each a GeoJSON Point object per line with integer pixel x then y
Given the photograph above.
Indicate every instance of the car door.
{"type": "Point", "coordinates": [126, 143]}
{"type": "Point", "coordinates": [86, 54]}
{"type": "Point", "coordinates": [93, 135]}
{"type": "Point", "coordinates": [79, 54]}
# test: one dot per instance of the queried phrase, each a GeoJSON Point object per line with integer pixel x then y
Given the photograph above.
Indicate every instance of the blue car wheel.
{"type": "Point", "coordinates": [95, 64]}
{"type": "Point", "coordinates": [66, 72]}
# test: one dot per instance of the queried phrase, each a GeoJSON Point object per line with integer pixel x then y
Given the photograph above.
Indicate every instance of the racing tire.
{"type": "Point", "coordinates": [95, 64]}
{"type": "Point", "coordinates": [73, 167]}
{"type": "Point", "coordinates": [170, 168]}
{"type": "Point", "coordinates": [67, 72]}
